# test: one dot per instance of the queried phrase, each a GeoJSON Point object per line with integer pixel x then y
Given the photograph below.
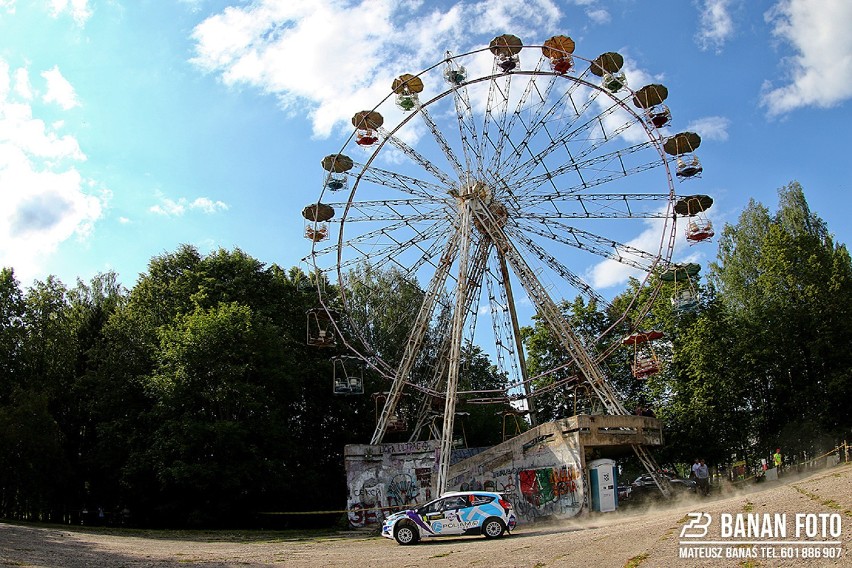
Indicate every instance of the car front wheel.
{"type": "Point", "coordinates": [406, 534]}
{"type": "Point", "coordinates": [493, 527]}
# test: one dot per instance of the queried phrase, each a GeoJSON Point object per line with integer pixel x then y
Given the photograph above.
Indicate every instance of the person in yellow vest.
{"type": "Point", "coordinates": [778, 459]}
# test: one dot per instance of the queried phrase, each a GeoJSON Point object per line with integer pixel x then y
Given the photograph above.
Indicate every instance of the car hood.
{"type": "Point", "coordinates": [398, 515]}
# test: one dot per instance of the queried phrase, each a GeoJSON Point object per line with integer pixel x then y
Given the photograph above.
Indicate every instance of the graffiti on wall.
{"type": "Point", "coordinates": [547, 485]}
{"type": "Point", "coordinates": [535, 491]}
{"type": "Point", "coordinates": [377, 488]}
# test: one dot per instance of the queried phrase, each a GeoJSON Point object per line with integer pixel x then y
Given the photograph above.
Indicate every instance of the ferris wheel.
{"type": "Point", "coordinates": [512, 177]}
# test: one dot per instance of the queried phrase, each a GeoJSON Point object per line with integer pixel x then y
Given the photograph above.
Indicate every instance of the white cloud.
{"type": "Point", "coordinates": [59, 90]}
{"type": "Point", "coordinates": [322, 52]}
{"type": "Point", "coordinates": [79, 10]}
{"type": "Point", "coordinates": [208, 205]}
{"type": "Point", "coordinates": [43, 197]}
{"type": "Point", "coordinates": [599, 16]}
{"type": "Point", "coordinates": [608, 273]}
{"type": "Point", "coordinates": [716, 26]}
{"type": "Point", "coordinates": [711, 128]}
{"type": "Point", "coordinates": [22, 84]}
{"type": "Point", "coordinates": [169, 207]}
{"type": "Point", "coordinates": [820, 73]}
{"type": "Point", "coordinates": [175, 208]}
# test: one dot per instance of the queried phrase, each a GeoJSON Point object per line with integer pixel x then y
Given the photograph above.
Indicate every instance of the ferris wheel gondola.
{"type": "Point", "coordinates": [682, 146]}
{"type": "Point", "coordinates": [698, 228]}
{"type": "Point", "coordinates": [645, 360]}
{"type": "Point", "coordinates": [684, 277]}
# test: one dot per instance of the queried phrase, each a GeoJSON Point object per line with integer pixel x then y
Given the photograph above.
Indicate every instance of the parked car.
{"type": "Point", "coordinates": [644, 485]}
{"type": "Point", "coordinates": [453, 514]}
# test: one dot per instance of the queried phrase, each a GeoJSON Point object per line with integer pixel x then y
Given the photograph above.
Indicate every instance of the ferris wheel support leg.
{"type": "Point", "coordinates": [651, 467]}
{"type": "Point", "coordinates": [477, 273]}
{"type": "Point", "coordinates": [415, 339]}
{"type": "Point", "coordinates": [549, 310]}
{"type": "Point", "coordinates": [519, 345]}
{"type": "Point", "coordinates": [445, 456]}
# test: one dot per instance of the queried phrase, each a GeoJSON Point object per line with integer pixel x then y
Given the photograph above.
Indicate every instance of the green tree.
{"type": "Point", "coordinates": [785, 287]}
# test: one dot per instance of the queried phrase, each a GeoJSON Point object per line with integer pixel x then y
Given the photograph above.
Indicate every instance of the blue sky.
{"type": "Point", "coordinates": [129, 127]}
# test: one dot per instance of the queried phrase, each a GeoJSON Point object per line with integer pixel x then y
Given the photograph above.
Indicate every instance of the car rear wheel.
{"type": "Point", "coordinates": [406, 534]}
{"type": "Point", "coordinates": [493, 527]}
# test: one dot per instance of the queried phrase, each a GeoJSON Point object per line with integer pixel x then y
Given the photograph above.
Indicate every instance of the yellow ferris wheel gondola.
{"type": "Point", "coordinates": [367, 124]}
{"type": "Point", "coordinates": [559, 50]}
{"type": "Point", "coordinates": [406, 87]}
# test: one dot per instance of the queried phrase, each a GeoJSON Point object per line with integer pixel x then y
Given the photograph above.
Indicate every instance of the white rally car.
{"type": "Point", "coordinates": [457, 513]}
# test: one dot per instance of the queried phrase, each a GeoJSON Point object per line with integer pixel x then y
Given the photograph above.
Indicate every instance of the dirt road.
{"type": "Point", "coordinates": [646, 538]}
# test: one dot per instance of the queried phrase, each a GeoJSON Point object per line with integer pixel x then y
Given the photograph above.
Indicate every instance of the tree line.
{"type": "Point", "coordinates": [193, 399]}
{"type": "Point", "coordinates": [763, 361]}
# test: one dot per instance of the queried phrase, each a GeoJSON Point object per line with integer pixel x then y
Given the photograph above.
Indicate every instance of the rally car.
{"type": "Point", "coordinates": [457, 513]}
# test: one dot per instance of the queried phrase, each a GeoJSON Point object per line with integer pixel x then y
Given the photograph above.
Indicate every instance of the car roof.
{"type": "Point", "coordinates": [456, 493]}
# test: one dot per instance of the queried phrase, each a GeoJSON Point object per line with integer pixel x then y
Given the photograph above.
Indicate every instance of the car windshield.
{"type": "Point", "coordinates": [445, 504]}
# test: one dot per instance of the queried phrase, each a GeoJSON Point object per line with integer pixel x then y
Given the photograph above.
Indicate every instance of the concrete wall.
{"type": "Point", "coordinates": [540, 471]}
{"type": "Point", "coordinates": [382, 478]}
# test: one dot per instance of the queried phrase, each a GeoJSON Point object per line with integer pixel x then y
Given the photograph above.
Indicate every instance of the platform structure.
{"type": "Point", "coordinates": [542, 471]}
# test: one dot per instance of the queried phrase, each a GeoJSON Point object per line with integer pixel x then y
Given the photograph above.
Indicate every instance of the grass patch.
{"type": "Point", "coordinates": [749, 564]}
{"type": "Point", "coordinates": [748, 507]}
{"type": "Point", "coordinates": [636, 560]}
{"type": "Point", "coordinates": [830, 503]}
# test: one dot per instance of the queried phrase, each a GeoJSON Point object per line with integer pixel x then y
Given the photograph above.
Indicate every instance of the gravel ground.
{"type": "Point", "coordinates": [649, 537]}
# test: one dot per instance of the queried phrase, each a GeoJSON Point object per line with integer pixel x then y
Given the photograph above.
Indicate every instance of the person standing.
{"type": "Point", "coordinates": [778, 459]}
{"type": "Point", "coordinates": [702, 476]}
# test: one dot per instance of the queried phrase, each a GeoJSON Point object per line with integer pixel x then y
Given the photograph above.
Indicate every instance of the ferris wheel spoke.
{"type": "Point", "coordinates": [496, 111]}
{"type": "Point", "coordinates": [590, 242]}
{"type": "Point", "coordinates": [598, 171]}
{"type": "Point", "coordinates": [442, 142]}
{"type": "Point", "coordinates": [592, 135]}
{"type": "Point", "coordinates": [442, 336]}
{"type": "Point", "coordinates": [505, 326]}
{"type": "Point", "coordinates": [467, 126]}
{"type": "Point", "coordinates": [559, 267]}
{"type": "Point", "coordinates": [417, 336]}
{"type": "Point", "coordinates": [522, 107]}
{"type": "Point", "coordinates": [393, 249]}
{"type": "Point", "coordinates": [596, 206]}
{"type": "Point", "coordinates": [538, 122]}
{"type": "Point", "coordinates": [403, 183]}
{"type": "Point", "coordinates": [419, 159]}
{"type": "Point", "coordinates": [549, 311]}
{"type": "Point", "coordinates": [414, 210]}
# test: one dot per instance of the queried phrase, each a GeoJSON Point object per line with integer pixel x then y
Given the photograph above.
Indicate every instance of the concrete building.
{"type": "Point", "coordinates": [542, 471]}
